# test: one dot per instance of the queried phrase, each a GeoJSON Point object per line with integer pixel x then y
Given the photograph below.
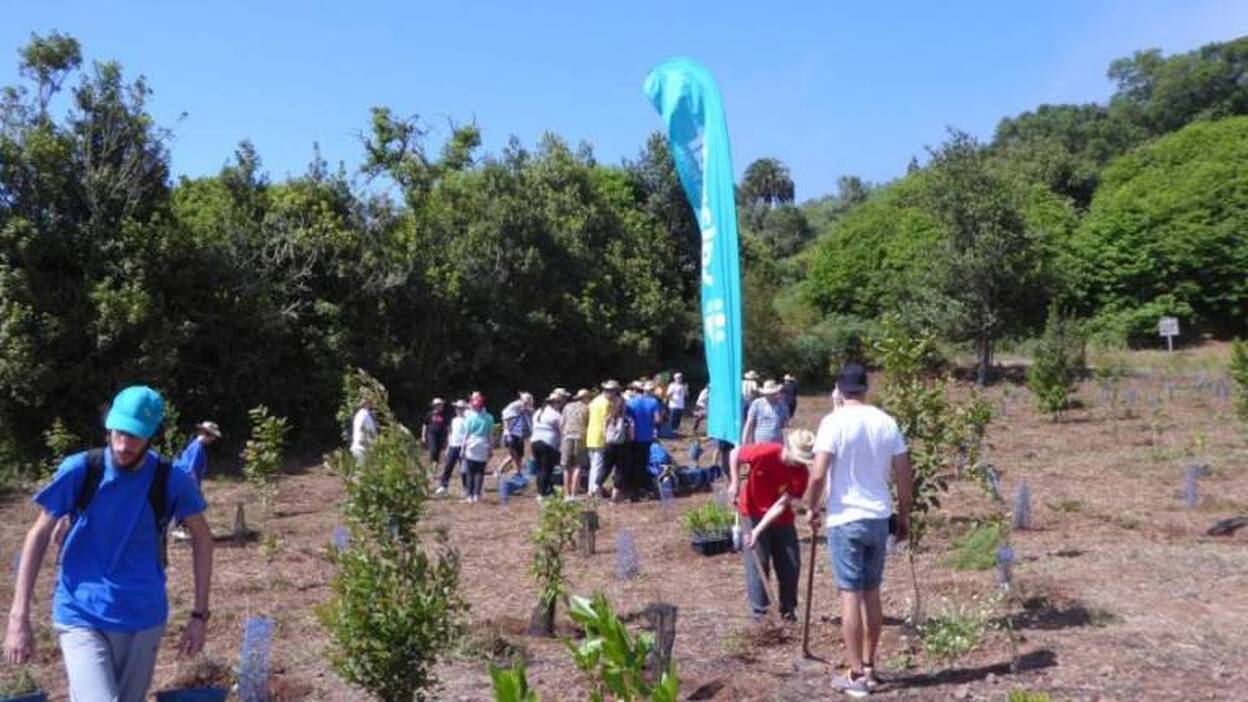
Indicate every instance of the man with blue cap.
{"type": "Point", "coordinates": [109, 605]}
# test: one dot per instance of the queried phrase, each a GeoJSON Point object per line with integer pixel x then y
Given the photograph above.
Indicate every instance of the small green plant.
{"type": "Point", "coordinates": [1057, 364]}
{"type": "Point", "coordinates": [60, 442]}
{"type": "Point", "coordinates": [511, 684]}
{"type": "Point", "coordinates": [978, 549]}
{"type": "Point", "coordinates": [954, 632]}
{"type": "Point", "coordinates": [395, 606]}
{"type": "Point", "coordinates": [557, 524]}
{"type": "Point", "coordinates": [1018, 694]}
{"type": "Point", "coordinates": [1239, 374]}
{"type": "Point", "coordinates": [615, 658]}
{"type": "Point", "coordinates": [935, 435]}
{"type": "Point", "coordinates": [262, 456]}
{"type": "Point", "coordinates": [711, 519]}
{"type": "Point", "coordinates": [171, 438]}
{"type": "Point", "coordinates": [269, 546]}
{"type": "Point", "coordinates": [19, 683]}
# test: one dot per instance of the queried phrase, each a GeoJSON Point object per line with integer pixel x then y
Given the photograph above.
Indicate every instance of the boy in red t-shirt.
{"type": "Point", "coordinates": [777, 477]}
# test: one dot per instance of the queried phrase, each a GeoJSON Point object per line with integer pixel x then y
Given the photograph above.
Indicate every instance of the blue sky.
{"type": "Point", "coordinates": [830, 88]}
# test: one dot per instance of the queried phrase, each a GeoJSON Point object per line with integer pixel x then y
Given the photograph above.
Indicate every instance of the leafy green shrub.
{"type": "Point", "coordinates": [711, 519]}
{"type": "Point", "coordinates": [977, 550]}
{"type": "Point", "coordinates": [617, 659]}
{"type": "Point", "coordinates": [1057, 364]}
{"type": "Point", "coordinates": [558, 522]}
{"type": "Point", "coordinates": [171, 438]}
{"type": "Point", "coordinates": [953, 632]}
{"type": "Point", "coordinates": [1239, 373]}
{"type": "Point", "coordinates": [262, 456]}
{"type": "Point", "coordinates": [919, 405]}
{"type": "Point", "coordinates": [511, 684]}
{"type": "Point", "coordinates": [60, 442]}
{"type": "Point", "coordinates": [395, 605]}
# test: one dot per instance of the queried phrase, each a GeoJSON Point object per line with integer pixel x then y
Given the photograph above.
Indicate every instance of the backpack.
{"type": "Point", "coordinates": [156, 497]}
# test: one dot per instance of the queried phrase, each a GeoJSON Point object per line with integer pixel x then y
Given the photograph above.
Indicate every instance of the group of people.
{"type": "Point", "coordinates": [591, 436]}
{"type": "Point", "coordinates": [588, 435]}
{"type": "Point", "coordinates": [844, 477]}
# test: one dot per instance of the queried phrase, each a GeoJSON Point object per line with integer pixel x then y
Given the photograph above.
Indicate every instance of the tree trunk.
{"type": "Point", "coordinates": [661, 617]}
{"type": "Point", "coordinates": [542, 622]}
{"type": "Point", "coordinates": [916, 611]}
{"type": "Point", "coordinates": [985, 358]}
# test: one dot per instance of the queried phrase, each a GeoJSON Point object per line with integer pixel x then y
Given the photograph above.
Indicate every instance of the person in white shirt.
{"type": "Point", "coordinates": [677, 392]}
{"type": "Point", "coordinates": [864, 450]}
{"type": "Point", "coordinates": [363, 430]}
{"type": "Point", "coordinates": [455, 448]}
{"type": "Point", "coordinates": [547, 422]}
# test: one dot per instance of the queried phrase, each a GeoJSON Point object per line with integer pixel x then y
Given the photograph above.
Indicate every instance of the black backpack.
{"type": "Point", "coordinates": [156, 497]}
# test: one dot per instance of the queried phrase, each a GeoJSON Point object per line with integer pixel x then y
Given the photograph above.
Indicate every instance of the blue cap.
{"type": "Point", "coordinates": [137, 410]}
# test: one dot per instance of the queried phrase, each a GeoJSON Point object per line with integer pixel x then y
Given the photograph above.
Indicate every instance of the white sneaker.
{"type": "Point", "coordinates": [180, 535]}
{"type": "Point", "coordinates": [440, 491]}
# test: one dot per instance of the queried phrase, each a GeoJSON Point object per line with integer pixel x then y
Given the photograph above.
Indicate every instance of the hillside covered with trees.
{"type": "Point", "coordinates": [442, 268]}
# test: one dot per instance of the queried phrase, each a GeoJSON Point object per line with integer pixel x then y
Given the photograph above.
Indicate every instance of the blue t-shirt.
{"type": "Point", "coordinates": [193, 460]}
{"type": "Point", "coordinates": [110, 577]}
{"type": "Point", "coordinates": [642, 409]}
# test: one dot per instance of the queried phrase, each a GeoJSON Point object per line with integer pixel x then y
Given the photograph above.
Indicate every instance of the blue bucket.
{"type": "Point", "coordinates": [193, 694]}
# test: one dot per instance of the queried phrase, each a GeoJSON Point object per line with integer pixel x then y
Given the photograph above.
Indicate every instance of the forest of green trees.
{"type": "Point", "coordinates": [439, 268]}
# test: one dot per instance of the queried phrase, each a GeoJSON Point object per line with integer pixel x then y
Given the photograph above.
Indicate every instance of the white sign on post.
{"type": "Point", "coordinates": [1169, 328]}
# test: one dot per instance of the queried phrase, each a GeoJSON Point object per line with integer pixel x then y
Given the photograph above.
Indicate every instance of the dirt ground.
{"type": "Point", "coordinates": [1119, 594]}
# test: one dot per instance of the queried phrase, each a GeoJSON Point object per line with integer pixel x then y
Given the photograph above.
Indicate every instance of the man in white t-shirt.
{"type": "Point", "coordinates": [864, 451]}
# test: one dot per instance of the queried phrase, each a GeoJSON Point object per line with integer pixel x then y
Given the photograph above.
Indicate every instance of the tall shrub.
{"type": "Point", "coordinates": [395, 604]}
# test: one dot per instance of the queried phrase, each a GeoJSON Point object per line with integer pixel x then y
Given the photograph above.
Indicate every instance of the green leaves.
{"type": "Point", "coordinates": [708, 519]}
{"type": "Point", "coordinates": [618, 658]}
{"type": "Point", "coordinates": [511, 684]}
{"type": "Point", "coordinates": [262, 456]}
{"type": "Point", "coordinates": [395, 606]}
{"type": "Point", "coordinates": [557, 525]}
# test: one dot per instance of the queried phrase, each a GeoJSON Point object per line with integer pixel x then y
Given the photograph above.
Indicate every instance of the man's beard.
{"type": "Point", "coordinates": [134, 463]}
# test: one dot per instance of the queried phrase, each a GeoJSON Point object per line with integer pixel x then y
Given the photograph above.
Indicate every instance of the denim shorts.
{"type": "Point", "coordinates": [857, 550]}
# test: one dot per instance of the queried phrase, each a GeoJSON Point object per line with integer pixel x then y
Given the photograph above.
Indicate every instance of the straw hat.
{"type": "Point", "coordinates": [562, 392]}
{"type": "Point", "coordinates": [437, 401]}
{"type": "Point", "coordinates": [751, 375]}
{"type": "Point", "coordinates": [770, 387]}
{"type": "Point", "coordinates": [799, 446]}
{"type": "Point", "coordinates": [583, 394]}
{"type": "Point", "coordinates": [611, 385]}
{"type": "Point", "coordinates": [554, 396]}
{"type": "Point", "coordinates": [636, 385]}
{"type": "Point", "coordinates": [460, 404]}
{"type": "Point", "coordinates": [648, 386]}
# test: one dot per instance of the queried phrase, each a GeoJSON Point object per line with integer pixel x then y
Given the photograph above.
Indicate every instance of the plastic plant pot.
{"type": "Point", "coordinates": [712, 545]}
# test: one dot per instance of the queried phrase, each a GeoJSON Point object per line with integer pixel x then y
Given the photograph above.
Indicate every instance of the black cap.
{"type": "Point", "coordinates": [852, 379]}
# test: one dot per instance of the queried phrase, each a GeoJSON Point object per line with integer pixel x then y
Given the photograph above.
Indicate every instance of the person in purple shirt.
{"type": "Point", "coordinates": [109, 607]}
